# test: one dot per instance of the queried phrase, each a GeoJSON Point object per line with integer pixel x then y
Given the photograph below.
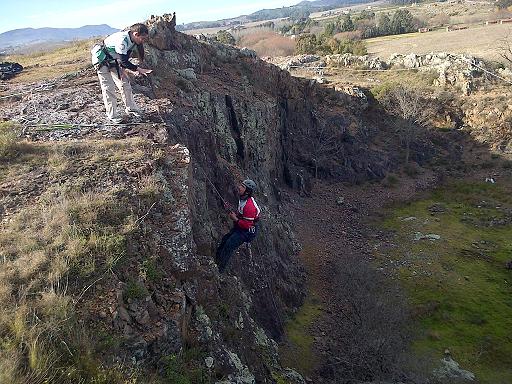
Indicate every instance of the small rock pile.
{"type": "Point", "coordinates": [9, 70]}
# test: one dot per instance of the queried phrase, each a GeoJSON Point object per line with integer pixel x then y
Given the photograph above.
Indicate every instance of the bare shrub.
{"type": "Point", "coordinates": [440, 19]}
{"type": "Point", "coordinates": [505, 49]}
{"type": "Point", "coordinates": [409, 105]}
{"type": "Point", "coordinates": [349, 35]}
{"type": "Point", "coordinates": [371, 340]}
{"type": "Point", "coordinates": [268, 43]}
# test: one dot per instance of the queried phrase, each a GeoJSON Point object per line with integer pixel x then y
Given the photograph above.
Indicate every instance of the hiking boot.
{"type": "Point", "coordinates": [116, 120]}
{"type": "Point", "coordinates": [137, 113]}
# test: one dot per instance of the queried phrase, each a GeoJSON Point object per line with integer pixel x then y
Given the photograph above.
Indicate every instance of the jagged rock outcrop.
{"type": "Point", "coordinates": [316, 61]}
{"type": "Point", "coordinates": [349, 60]}
{"type": "Point", "coordinates": [299, 61]}
{"type": "Point", "coordinates": [488, 117]}
{"type": "Point", "coordinates": [462, 71]}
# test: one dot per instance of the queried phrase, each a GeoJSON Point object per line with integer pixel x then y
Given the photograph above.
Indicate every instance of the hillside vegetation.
{"type": "Point", "coordinates": [108, 241]}
{"type": "Point", "coordinates": [68, 230]}
{"type": "Point", "coordinates": [45, 65]}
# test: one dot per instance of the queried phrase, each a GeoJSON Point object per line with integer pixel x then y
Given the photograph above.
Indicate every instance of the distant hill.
{"type": "Point", "coordinates": [22, 38]}
{"type": "Point", "coordinates": [297, 11]}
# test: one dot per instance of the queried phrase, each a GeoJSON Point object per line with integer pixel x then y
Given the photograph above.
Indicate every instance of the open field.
{"type": "Point", "coordinates": [458, 285]}
{"type": "Point", "coordinates": [481, 41]}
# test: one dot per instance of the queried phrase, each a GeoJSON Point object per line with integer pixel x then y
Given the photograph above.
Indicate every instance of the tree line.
{"type": "Point", "coordinates": [362, 26]}
{"type": "Point", "coordinates": [369, 25]}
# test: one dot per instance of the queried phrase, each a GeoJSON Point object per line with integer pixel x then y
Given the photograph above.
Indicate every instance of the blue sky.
{"type": "Point", "coordinates": [120, 13]}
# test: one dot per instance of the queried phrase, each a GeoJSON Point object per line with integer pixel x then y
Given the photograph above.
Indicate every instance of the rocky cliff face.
{"type": "Point", "coordinates": [234, 116]}
{"type": "Point", "coordinates": [240, 117]}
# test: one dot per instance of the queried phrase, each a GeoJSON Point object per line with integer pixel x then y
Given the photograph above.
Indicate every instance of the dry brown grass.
{"type": "Point", "coordinates": [50, 249]}
{"type": "Point", "coordinates": [480, 41]}
{"type": "Point", "coordinates": [9, 143]}
{"type": "Point", "coordinates": [47, 65]}
{"type": "Point", "coordinates": [59, 237]}
{"type": "Point", "coordinates": [267, 43]}
{"type": "Point", "coordinates": [351, 35]}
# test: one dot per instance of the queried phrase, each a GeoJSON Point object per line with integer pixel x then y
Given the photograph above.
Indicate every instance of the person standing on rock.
{"type": "Point", "coordinates": [245, 224]}
{"type": "Point", "coordinates": [111, 60]}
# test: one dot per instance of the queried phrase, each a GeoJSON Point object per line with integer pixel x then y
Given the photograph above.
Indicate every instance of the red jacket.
{"type": "Point", "coordinates": [248, 213]}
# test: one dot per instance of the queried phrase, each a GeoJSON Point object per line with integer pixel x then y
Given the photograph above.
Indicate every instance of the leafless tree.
{"type": "Point", "coordinates": [370, 339]}
{"type": "Point", "coordinates": [505, 49]}
{"type": "Point", "coordinates": [411, 110]}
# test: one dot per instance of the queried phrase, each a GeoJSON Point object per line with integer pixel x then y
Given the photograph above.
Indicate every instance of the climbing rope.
{"type": "Point", "coordinates": [213, 185]}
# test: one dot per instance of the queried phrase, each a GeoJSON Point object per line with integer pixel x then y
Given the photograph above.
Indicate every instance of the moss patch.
{"type": "Point", "coordinates": [459, 287]}
{"type": "Point", "coordinates": [298, 352]}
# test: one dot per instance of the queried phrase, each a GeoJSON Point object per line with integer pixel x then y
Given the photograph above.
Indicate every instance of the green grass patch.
{"type": "Point", "coordinates": [298, 353]}
{"type": "Point", "coordinates": [135, 290]}
{"type": "Point", "coordinates": [186, 368]}
{"type": "Point", "coordinates": [459, 287]}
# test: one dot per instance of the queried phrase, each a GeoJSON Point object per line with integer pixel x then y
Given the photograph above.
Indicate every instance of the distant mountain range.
{"type": "Point", "coordinates": [297, 11]}
{"type": "Point", "coordinates": [22, 38]}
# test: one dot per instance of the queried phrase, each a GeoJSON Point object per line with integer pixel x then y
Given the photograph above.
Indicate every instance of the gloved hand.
{"type": "Point", "coordinates": [228, 207]}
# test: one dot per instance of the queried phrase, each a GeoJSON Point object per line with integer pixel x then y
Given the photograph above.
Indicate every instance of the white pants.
{"type": "Point", "coordinates": [108, 82]}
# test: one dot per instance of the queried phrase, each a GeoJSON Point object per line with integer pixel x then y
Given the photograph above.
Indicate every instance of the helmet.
{"type": "Point", "coordinates": [249, 184]}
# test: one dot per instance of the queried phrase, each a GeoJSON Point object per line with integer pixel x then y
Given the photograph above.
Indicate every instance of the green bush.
{"type": "Point", "coordinates": [135, 290]}
{"type": "Point", "coordinates": [151, 271]}
{"type": "Point", "coordinates": [411, 170]}
{"type": "Point", "coordinates": [380, 91]}
{"type": "Point", "coordinates": [310, 44]}
{"type": "Point", "coordinates": [225, 38]}
{"type": "Point", "coordinates": [179, 370]}
{"type": "Point", "coordinates": [390, 181]}
{"type": "Point", "coordinates": [306, 44]}
{"type": "Point", "coordinates": [9, 147]}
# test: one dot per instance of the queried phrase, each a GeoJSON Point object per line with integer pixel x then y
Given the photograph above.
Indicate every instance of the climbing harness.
{"type": "Point", "coordinates": [103, 57]}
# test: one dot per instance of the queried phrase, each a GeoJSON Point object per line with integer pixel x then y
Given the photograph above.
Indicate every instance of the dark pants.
{"type": "Point", "coordinates": [229, 243]}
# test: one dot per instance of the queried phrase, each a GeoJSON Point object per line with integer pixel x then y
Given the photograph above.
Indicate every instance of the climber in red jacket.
{"type": "Point", "coordinates": [245, 226]}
